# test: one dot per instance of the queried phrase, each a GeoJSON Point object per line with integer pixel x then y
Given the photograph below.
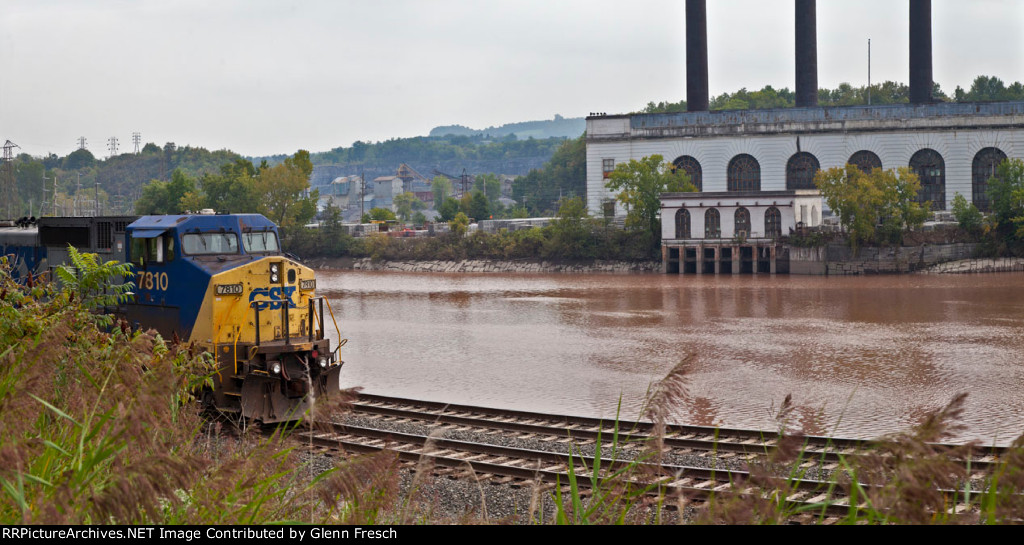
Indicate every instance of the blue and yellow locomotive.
{"type": "Point", "coordinates": [222, 284]}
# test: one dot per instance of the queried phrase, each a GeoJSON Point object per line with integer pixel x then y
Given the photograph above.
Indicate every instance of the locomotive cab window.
{"type": "Point", "coordinates": [260, 242]}
{"type": "Point", "coordinates": [148, 249]}
{"type": "Point", "coordinates": [209, 243]}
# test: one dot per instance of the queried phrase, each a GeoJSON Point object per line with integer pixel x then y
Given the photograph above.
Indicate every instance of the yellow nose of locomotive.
{"type": "Point", "coordinates": [267, 327]}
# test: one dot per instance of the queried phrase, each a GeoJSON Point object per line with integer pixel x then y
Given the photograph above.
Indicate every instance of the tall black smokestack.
{"type": "Point", "coordinates": [696, 56]}
{"type": "Point", "coordinates": [920, 51]}
{"type": "Point", "coordinates": [806, 54]}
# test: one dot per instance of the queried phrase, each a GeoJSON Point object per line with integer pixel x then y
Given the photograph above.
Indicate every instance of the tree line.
{"type": "Point", "coordinates": [431, 149]}
{"type": "Point", "coordinates": [280, 192]}
{"type": "Point", "coordinates": [120, 178]}
{"type": "Point", "coordinates": [983, 89]}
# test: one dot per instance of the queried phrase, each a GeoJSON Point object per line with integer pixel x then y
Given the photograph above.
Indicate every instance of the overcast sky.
{"type": "Point", "coordinates": [273, 76]}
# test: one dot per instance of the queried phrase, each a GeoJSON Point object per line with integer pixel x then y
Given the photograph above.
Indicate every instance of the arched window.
{"type": "Point", "coordinates": [929, 166]}
{"type": "Point", "coordinates": [865, 160]}
{"type": "Point", "coordinates": [772, 223]}
{"type": "Point", "coordinates": [742, 222]}
{"type": "Point", "coordinates": [682, 223]}
{"type": "Point", "coordinates": [800, 171]}
{"type": "Point", "coordinates": [693, 170]}
{"type": "Point", "coordinates": [984, 167]}
{"type": "Point", "coordinates": [744, 174]}
{"type": "Point", "coordinates": [712, 224]}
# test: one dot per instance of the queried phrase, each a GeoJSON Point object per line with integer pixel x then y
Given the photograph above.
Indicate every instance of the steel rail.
{"type": "Point", "coordinates": [816, 449]}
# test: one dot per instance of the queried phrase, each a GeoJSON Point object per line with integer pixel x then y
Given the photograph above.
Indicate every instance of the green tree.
{"type": "Point", "coordinates": [639, 185]}
{"type": "Point", "coordinates": [77, 159]}
{"type": "Point", "coordinates": [382, 214]}
{"type": "Point", "coordinates": [407, 203]}
{"type": "Point", "coordinates": [570, 234]}
{"type": "Point", "coordinates": [966, 214]}
{"type": "Point", "coordinates": [564, 175]}
{"type": "Point", "coordinates": [881, 202]}
{"type": "Point", "coordinates": [442, 188]}
{"type": "Point", "coordinates": [448, 209]}
{"type": "Point", "coordinates": [478, 207]}
{"type": "Point", "coordinates": [233, 189]}
{"type": "Point", "coordinates": [284, 191]}
{"type": "Point", "coordinates": [1006, 195]}
{"type": "Point", "coordinates": [459, 224]}
{"type": "Point", "coordinates": [490, 186]}
{"type": "Point", "coordinates": [166, 197]}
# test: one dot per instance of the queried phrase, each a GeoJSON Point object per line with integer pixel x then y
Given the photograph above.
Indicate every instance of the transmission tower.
{"type": "Point", "coordinates": [81, 142]}
{"type": "Point", "coordinates": [136, 139]}
{"type": "Point", "coordinates": [112, 146]}
{"type": "Point", "coordinates": [10, 189]}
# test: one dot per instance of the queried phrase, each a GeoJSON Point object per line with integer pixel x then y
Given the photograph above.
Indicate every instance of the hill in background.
{"type": "Point", "coordinates": [559, 127]}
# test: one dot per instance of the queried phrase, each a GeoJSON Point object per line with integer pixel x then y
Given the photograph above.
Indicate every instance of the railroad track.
{"type": "Point", "coordinates": [720, 443]}
{"type": "Point", "coordinates": [525, 467]}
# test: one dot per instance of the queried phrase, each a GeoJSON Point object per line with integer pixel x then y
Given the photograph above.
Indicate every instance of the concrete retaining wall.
{"type": "Point", "coordinates": [840, 259]}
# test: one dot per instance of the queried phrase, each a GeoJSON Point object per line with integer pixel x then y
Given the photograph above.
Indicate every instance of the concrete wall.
{"type": "Point", "coordinates": [840, 260]}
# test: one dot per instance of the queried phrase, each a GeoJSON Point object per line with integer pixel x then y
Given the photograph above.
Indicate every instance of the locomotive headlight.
{"type": "Point", "coordinates": [275, 268]}
{"type": "Point", "coordinates": [276, 368]}
{"type": "Point", "coordinates": [274, 278]}
{"type": "Point", "coordinates": [323, 362]}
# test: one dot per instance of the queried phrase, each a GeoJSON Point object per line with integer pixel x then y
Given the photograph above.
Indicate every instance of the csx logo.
{"type": "Point", "coordinates": [275, 296]}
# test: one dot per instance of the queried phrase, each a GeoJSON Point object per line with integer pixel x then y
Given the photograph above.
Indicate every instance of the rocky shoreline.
{"type": "Point", "coordinates": [962, 266]}
{"type": "Point", "coordinates": [489, 266]}
{"type": "Point", "coordinates": [974, 266]}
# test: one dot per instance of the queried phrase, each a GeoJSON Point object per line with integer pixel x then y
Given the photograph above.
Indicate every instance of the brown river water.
{"type": "Point", "coordinates": [861, 356]}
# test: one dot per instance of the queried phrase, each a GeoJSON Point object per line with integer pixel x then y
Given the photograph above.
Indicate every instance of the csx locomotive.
{"type": "Point", "coordinates": [217, 282]}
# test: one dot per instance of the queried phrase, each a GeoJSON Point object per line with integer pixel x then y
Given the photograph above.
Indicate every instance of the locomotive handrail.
{"type": "Point", "coordinates": [335, 320]}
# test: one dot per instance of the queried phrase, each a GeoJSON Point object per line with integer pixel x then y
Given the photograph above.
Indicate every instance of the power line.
{"type": "Point", "coordinates": [112, 146]}
{"type": "Point", "coordinates": [10, 189]}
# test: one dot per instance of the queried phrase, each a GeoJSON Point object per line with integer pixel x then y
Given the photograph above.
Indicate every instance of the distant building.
{"type": "Point", "coordinates": [733, 232]}
{"type": "Point", "coordinates": [953, 147]}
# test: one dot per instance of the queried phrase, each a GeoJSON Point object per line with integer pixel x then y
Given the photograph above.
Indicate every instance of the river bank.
{"type": "Point", "coordinates": [872, 265]}
{"type": "Point", "coordinates": [487, 266]}
{"type": "Point", "coordinates": [981, 265]}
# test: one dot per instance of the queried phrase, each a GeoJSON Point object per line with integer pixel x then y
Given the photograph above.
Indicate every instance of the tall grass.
{"type": "Point", "coordinates": [99, 427]}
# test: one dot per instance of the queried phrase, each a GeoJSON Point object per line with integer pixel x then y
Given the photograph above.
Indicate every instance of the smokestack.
{"type": "Point", "coordinates": [806, 54]}
{"type": "Point", "coordinates": [920, 51]}
{"type": "Point", "coordinates": [696, 56]}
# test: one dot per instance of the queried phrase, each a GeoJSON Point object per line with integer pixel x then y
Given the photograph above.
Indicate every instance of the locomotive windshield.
{"type": "Point", "coordinates": [260, 242]}
{"type": "Point", "coordinates": [209, 243]}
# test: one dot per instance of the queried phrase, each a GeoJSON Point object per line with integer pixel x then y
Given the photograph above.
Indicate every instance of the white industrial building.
{"type": "Point", "coordinates": [953, 147]}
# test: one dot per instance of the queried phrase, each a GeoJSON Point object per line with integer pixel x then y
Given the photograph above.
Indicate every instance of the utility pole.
{"type": "Point", "coordinates": [362, 193]}
{"type": "Point", "coordinates": [10, 188]}
{"type": "Point", "coordinates": [76, 207]}
{"type": "Point", "coordinates": [42, 205]}
{"type": "Point", "coordinates": [81, 142]}
{"type": "Point", "coordinates": [136, 139]}
{"type": "Point", "coordinates": [112, 146]}
{"type": "Point", "coordinates": [96, 208]}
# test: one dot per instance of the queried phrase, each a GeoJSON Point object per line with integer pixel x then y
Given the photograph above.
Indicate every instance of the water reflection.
{"type": "Point", "coordinates": [861, 356]}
